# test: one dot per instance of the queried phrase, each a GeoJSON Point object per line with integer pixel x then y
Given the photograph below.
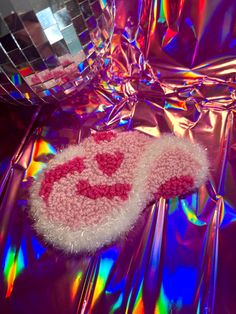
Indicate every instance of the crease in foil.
{"type": "Point", "coordinates": [171, 69]}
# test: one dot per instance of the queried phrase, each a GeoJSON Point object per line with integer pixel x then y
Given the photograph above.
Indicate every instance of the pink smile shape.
{"type": "Point", "coordinates": [108, 163]}
{"type": "Point", "coordinates": [59, 172]}
{"type": "Point", "coordinates": [103, 190]}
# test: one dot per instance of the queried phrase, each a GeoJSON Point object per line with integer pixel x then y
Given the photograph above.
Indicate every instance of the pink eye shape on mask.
{"type": "Point", "coordinates": [91, 194]}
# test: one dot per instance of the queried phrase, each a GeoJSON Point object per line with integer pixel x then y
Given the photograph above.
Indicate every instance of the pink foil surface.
{"type": "Point", "coordinates": [172, 69]}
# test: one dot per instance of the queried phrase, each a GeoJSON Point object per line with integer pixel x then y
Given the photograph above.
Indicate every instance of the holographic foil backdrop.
{"type": "Point", "coordinates": [172, 69]}
{"type": "Point", "coordinates": [50, 49]}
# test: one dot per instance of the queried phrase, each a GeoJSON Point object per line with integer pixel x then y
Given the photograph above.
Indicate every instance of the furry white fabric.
{"type": "Point", "coordinates": [120, 215]}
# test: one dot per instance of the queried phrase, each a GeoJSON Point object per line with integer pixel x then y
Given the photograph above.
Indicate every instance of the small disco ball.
{"type": "Point", "coordinates": [51, 48]}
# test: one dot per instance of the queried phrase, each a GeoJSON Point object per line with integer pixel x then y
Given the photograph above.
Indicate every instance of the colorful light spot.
{"type": "Point", "coordinates": [191, 215]}
{"type": "Point", "coordinates": [39, 250]}
{"type": "Point", "coordinates": [13, 265]}
{"type": "Point", "coordinates": [16, 79]}
{"type": "Point", "coordinates": [162, 303]}
{"type": "Point", "coordinates": [40, 149]}
{"type": "Point", "coordinates": [139, 306]}
{"type": "Point", "coordinates": [105, 266]}
{"type": "Point", "coordinates": [75, 285]}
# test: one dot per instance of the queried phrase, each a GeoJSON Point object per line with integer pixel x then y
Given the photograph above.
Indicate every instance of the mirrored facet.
{"type": "Point", "coordinates": [38, 65]}
{"type": "Point", "coordinates": [22, 38]}
{"type": "Point", "coordinates": [3, 56]}
{"type": "Point", "coordinates": [60, 48]}
{"type": "Point", "coordinates": [96, 9]}
{"type": "Point", "coordinates": [13, 22]}
{"type": "Point", "coordinates": [73, 8]}
{"type": "Point", "coordinates": [8, 42]}
{"type": "Point", "coordinates": [79, 24]}
{"type": "Point", "coordinates": [31, 53]}
{"type": "Point", "coordinates": [53, 34]}
{"type": "Point", "coordinates": [85, 37]}
{"type": "Point", "coordinates": [62, 18]}
{"type": "Point", "coordinates": [4, 30]}
{"type": "Point", "coordinates": [46, 18]}
{"type": "Point", "coordinates": [17, 57]}
{"type": "Point", "coordinates": [69, 34]}
{"type": "Point", "coordinates": [20, 5]}
{"type": "Point", "coordinates": [86, 10]}
{"type": "Point", "coordinates": [74, 47]}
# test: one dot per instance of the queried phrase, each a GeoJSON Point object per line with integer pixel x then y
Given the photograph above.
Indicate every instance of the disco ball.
{"type": "Point", "coordinates": [51, 48]}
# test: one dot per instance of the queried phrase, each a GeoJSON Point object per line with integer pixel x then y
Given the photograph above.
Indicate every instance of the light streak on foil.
{"type": "Point", "coordinates": [103, 3]}
{"type": "Point", "coordinates": [75, 285]}
{"type": "Point", "coordinates": [162, 303]}
{"type": "Point", "coordinates": [13, 265]}
{"type": "Point", "coordinates": [105, 265]}
{"type": "Point", "coordinates": [117, 304]}
{"type": "Point", "coordinates": [38, 248]}
{"type": "Point", "coordinates": [201, 21]}
{"type": "Point", "coordinates": [163, 11]}
{"type": "Point", "coordinates": [35, 168]}
{"type": "Point", "coordinates": [154, 22]}
{"type": "Point", "coordinates": [190, 214]}
{"type": "Point", "coordinates": [123, 122]}
{"type": "Point", "coordinates": [138, 306]}
{"type": "Point", "coordinates": [190, 24]}
{"type": "Point", "coordinates": [40, 148]}
{"type": "Point", "coordinates": [228, 214]}
{"type": "Point", "coordinates": [101, 108]}
{"type": "Point", "coordinates": [169, 35]}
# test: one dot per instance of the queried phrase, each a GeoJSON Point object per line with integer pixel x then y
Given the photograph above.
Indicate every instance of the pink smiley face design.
{"type": "Point", "coordinates": [92, 193]}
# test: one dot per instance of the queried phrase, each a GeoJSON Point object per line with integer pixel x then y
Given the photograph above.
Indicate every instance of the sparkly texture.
{"type": "Point", "coordinates": [102, 190]}
{"type": "Point", "coordinates": [95, 192]}
{"type": "Point", "coordinates": [57, 173]}
{"type": "Point", "coordinates": [175, 186]}
{"type": "Point", "coordinates": [109, 163]}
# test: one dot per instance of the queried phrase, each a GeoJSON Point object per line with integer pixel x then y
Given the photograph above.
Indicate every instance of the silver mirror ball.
{"type": "Point", "coordinates": [51, 48]}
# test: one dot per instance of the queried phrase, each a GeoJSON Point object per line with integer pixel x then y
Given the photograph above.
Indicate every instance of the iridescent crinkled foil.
{"type": "Point", "coordinates": [50, 49]}
{"type": "Point", "coordinates": [172, 70]}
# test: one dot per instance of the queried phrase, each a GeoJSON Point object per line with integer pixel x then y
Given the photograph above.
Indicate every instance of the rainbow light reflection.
{"type": "Point", "coordinates": [162, 303]}
{"type": "Point", "coordinates": [75, 285]}
{"type": "Point", "coordinates": [105, 265]}
{"type": "Point", "coordinates": [117, 304]}
{"type": "Point", "coordinates": [13, 265]}
{"type": "Point", "coordinates": [163, 11]}
{"type": "Point", "coordinates": [190, 214]}
{"type": "Point", "coordinates": [40, 148]}
{"type": "Point", "coordinates": [16, 79]}
{"type": "Point", "coordinates": [103, 4]}
{"type": "Point", "coordinates": [138, 306]}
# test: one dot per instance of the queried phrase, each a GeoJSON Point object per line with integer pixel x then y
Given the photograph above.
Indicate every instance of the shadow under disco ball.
{"type": "Point", "coordinates": [51, 48]}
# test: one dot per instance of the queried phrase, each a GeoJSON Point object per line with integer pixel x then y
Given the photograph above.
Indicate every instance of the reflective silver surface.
{"type": "Point", "coordinates": [50, 48]}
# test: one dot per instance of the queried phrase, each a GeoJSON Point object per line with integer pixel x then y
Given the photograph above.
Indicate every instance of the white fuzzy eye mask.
{"type": "Point", "coordinates": [92, 193]}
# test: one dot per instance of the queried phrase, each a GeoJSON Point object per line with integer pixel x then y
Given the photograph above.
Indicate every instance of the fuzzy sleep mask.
{"type": "Point", "coordinates": [92, 193]}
